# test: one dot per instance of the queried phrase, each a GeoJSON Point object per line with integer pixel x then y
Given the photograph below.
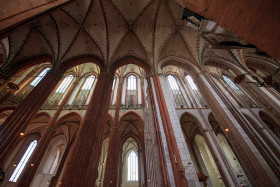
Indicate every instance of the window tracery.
{"type": "Point", "coordinates": [196, 92]}
{"type": "Point", "coordinates": [177, 93]}
{"type": "Point", "coordinates": [243, 95]}
{"type": "Point", "coordinates": [83, 95]}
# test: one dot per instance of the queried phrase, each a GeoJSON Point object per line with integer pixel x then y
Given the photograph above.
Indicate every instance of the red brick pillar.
{"type": "Point", "coordinates": [178, 170]}
{"type": "Point", "coordinates": [230, 120]}
{"type": "Point", "coordinates": [112, 162]}
{"type": "Point", "coordinates": [43, 144]}
{"type": "Point", "coordinates": [82, 168]}
{"type": "Point", "coordinates": [24, 113]}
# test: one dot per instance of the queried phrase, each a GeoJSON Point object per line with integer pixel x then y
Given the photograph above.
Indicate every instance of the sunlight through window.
{"type": "Point", "coordinates": [39, 77]}
{"type": "Point", "coordinates": [132, 167]}
{"type": "Point", "coordinates": [23, 162]}
{"type": "Point", "coordinates": [65, 83]}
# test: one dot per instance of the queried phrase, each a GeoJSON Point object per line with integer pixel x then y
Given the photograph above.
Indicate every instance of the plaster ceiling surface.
{"type": "Point", "coordinates": [108, 30]}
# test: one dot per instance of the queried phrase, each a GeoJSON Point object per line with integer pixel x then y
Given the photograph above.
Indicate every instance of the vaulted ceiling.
{"type": "Point", "coordinates": [110, 30]}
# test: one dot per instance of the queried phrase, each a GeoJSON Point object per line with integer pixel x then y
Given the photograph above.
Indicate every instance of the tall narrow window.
{"type": "Point", "coordinates": [244, 96]}
{"type": "Point", "coordinates": [196, 92]}
{"type": "Point", "coordinates": [84, 93]}
{"type": "Point", "coordinates": [131, 99]}
{"type": "Point", "coordinates": [114, 91]}
{"type": "Point", "coordinates": [39, 77]}
{"type": "Point", "coordinates": [64, 85]}
{"type": "Point", "coordinates": [176, 91]}
{"type": "Point", "coordinates": [87, 85]}
{"type": "Point", "coordinates": [131, 83]}
{"type": "Point", "coordinates": [57, 97]}
{"type": "Point", "coordinates": [132, 167]}
{"type": "Point", "coordinates": [23, 161]}
{"type": "Point", "coordinates": [55, 161]}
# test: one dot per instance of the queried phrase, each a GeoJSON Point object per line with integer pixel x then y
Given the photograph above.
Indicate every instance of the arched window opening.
{"type": "Point", "coordinates": [87, 85]}
{"type": "Point", "coordinates": [196, 92]}
{"type": "Point", "coordinates": [82, 98]}
{"type": "Point", "coordinates": [131, 92]}
{"type": "Point", "coordinates": [23, 161]}
{"type": "Point", "coordinates": [64, 85]}
{"type": "Point", "coordinates": [39, 77]}
{"type": "Point", "coordinates": [55, 161]}
{"type": "Point", "coordinates": [177, 93]}
{"type": "Point", "coordinates": [132, 167]}
{"type": "Point", "coordinates": [239, 92]}
{"type": "Point", "coordinates": [25, 82]}
{"type": "Point", "coordinates": [114, 91]}
{"type": "Point", "coordinates": [57, 97]}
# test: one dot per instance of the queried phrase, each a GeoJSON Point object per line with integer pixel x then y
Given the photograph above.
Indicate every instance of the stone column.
{"type": "Point", "coordinates": [82, 168]}
{"type": "Point", "coordinates": [40, 150]}
{"type": "Point", "coordinates": [24, 113]}
{"type": "Point", "coordinates": [176, 162]}
{"type": "Point", "coordinates": [223, 163]}
{"type": "Point", "coordinates": [230, 120]}
{"type": "Point", "coordinates": [112, 162]}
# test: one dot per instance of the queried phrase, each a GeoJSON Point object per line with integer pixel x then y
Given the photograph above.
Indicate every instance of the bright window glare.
{"type": "Point", "coordinates": [65, 83]}
{"type": "Point", "coordinates": [132, 167]}
{"type": "Point", "coordinates": [23, 162]}
{"type": "Point", "coordinates": [230, 83]}
{"type": "Point", "coordinates": [190, 80]}
{"type": "Point", "coordinates": [172, 82]}
{"type": "Point", "coordinates": [39, 77]}
{"type": "Point", "coordinates": [55, 162]}
{"type": "Point", "coordinates": [87, 85]}
{"type": "Point", "coordinates": [131, 83]}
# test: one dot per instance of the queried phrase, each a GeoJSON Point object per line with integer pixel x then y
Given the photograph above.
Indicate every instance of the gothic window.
{"type": "Point", "coordinates": [57, 97]}
{"type": "Point", "coordinates": [23, 161]}
{"type": "Point", "coordinates": [39, 77]}
{"type": "Point", "coordinates": [197, 94]}
{"type": "Point", "coordinates": [131, 85]}
{"type": "Point", "coordinates": [131, 91]}
{"type": "Point", "coordinates": [114, 90]}
{"type": "Point", "coordinates": [132, 167]}
{"type": "Point", "coordinates": [89, 81]}
{"type": "Point", "coordinates": [177, 93]}
{"type": "Point", "coordinates": [64, 85]}
{"type": "Point", "coordinates": [239, 92]}
{"type": "Point", "coordinates": [55, 161]}
{"type": "Point", "coordinates": [82, 98]}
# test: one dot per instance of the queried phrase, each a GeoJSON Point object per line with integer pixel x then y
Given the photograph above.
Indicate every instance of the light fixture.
{"type": "Point", "coordinates": [48, 182]}
{"type": "Point", "coordinates": [60, 182]}
{"type": "Point", "coordinates": [103, 163]}
{"type": "Point", "coordinates": [15, 164]}
{"type": "Point", "coordinates": [32, 165]}
{"type": "Point", "coordinates": [149, 180]}
{"type": "Point", "coordinates": [111, 181]}
{"type": "Point", "coordinates": [21, 133]}
{"type": "Point", "coordinates": [226, 129]}
{"type": "Point", "coordinates": [99, 182]}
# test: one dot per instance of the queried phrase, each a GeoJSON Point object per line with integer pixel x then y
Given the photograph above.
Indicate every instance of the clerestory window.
{"type": "Point", "coordinates": [65, 83]}
{"type": "Point", "coordinates": [39, 77]}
